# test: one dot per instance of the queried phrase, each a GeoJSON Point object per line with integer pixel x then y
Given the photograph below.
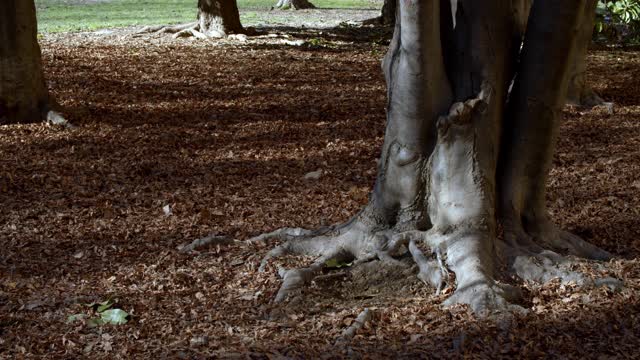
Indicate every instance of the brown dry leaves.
{"type": "Point", "coordinates": [224, 135]}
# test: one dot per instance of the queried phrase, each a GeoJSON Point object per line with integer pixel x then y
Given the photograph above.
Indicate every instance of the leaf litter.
{"type": "Point", "coordinates": [223, 133]}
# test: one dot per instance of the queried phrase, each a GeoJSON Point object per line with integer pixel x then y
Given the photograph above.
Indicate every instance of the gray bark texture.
{"type": "Point", "coordinates": [461, 154]}
{"type": "Point", "coordinates": [217, 18]}
{"type": "Point", "coordinates": [294, 4]}
{"type": "Point", "coordinates": [23, 94]}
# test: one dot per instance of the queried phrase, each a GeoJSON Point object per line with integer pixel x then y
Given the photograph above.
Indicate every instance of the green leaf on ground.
{"type": "Point", "coordinates": [114, 317]}
{"type": "Point", "coordinates": [334, 263]}
{"type": "Point", "coordinates": [75, 317]}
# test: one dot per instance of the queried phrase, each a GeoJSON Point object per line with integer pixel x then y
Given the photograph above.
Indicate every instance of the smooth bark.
{"type": "Point", "coordinates": [579, 92]}
{"type": "Point", "coordinates": [23, 94]}
{"type": "Point", "coordinates": [462, 154]}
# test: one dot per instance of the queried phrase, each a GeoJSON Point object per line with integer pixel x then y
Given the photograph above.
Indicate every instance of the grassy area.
{"type": "Point", "coordinates": [79, 15]}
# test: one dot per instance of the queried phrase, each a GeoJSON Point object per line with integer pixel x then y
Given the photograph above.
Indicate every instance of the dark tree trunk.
{"type": "Point", "coordinates": [389, 12]}
{"type": "Point", "coordinates": [23, 94]}
{"type": "Point", "coordinates": [461, 154]}
{"type": "Point", "coordinates": [387, 16]}
{"type": "Point", "coordinates": [579, 92]}
{"type": "Point", "coordinates": [294, 4]}
{"type": "Point", "coordinates": [218, 18]}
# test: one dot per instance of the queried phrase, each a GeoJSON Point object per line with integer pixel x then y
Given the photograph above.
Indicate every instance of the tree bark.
{"type": "Point", "coordinates": [294, 4]}
{"type": "Point", "coordinates": [388, 15]}
{"type": "Point", "coordinates": [579, 92]}
{"type": "Point", "coordinates": [23, 94]}
{"type": "Point", "coordinates": [461, 153]}
{"type": "Point", "coordinates": [218, 18]}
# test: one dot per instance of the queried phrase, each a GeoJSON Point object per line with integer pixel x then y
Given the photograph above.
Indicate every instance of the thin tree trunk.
{"type": "Point", "coordinates": [294, 4]}
{"type": "Point", "coordinates": [23, 94]}
{"type": "Point", "coordinates": [218, 18]}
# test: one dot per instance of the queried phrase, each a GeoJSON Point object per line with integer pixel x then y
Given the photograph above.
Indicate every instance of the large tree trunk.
{"type": "Point", "coordinates": [218, 18]}
{"type": "Point", "coordinates": [294, 4]}
{"type": "Point", "coordinates": [456, 159]}
{"type": "Point", "coordinates": [579, 92]}
{"type": "Point", "coordinates": [23, 94]}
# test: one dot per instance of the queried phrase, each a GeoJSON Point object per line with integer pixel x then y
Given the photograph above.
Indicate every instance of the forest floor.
{"type": "Point", "coordinates": [178, 139]}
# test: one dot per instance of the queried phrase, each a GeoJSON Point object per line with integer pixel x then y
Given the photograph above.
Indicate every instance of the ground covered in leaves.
{"type": "Point", "coordinates": [178, 139]}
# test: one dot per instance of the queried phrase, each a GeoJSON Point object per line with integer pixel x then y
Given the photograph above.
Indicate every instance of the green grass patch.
{"type": "Point", "coordinates": [83, 15]}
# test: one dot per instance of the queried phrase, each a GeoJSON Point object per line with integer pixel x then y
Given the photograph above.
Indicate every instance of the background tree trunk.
{"type": "Point", "coordinates": [389, 12]}
{"type": "Point", "coordinates": [294, 4]}
{"type": "Point", "coordinates": [23, 93]}
{"type": "Point", "coordinates": [387, 16]}
{"type": "Point", "coordinates": [218, 18]}
{"type": "Point", "coordinates": [579, 92]}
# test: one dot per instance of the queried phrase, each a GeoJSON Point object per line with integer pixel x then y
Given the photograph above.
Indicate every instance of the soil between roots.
{"type": "Point", "coordinates": [223, 133]}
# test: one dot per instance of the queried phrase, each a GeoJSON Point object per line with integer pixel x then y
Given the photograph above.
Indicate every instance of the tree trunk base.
{"type": "Point", "coordinates": [475, 286]}
{"type": "Point", "coordinates": [586, 97]}
{"type": "Point", "coordinates": [293, 5]}
{"type": "Point", "coordinates": [189, 30]}
{"type": "Point", "coordinates": [56, 119]}
{"type": "Point", "coordinates": [180, 31]}
{"type": "Point", "coordinates": [42, 113]}
{"type": "Point", "coordinates": [459, 243]}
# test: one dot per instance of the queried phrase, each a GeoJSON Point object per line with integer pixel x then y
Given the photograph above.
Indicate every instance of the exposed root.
{"type": "Point", "coordinates": [459, 202]}
{"type": "Point", "coordinates": [209, 240]}
{"type": "Point", "coordinates": [56, 119]}
{"type": "Point", "coordinates": [575, 245]}
{"type": "Point", "coordinates": [487, 297]}
{"type": "Point", "coordinates": [167, 29]}
{"type": "Point", "coordinates": [182, 31]}
{"type": "Point", "coordinates": [586, 98]}
{"type": "Point", "coordinates": [293, 4]}
{"type": "Point", "coordinates": [530, 258]}
{"type": "Point", "coordinates": [348, 334]}
{"type": "Point", "coordinates": [346, 244]}
{"type": "Point", "coordinates": [431, 272]}
{"type": "Point", "coordinates": [281, 234]}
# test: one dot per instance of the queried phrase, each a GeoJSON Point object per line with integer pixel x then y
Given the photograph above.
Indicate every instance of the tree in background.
{"type": "Point", "coordinates": [24, 97]}
{"type": "Point", "coordinates": [387, 16]}
{"type": "Point", "coordinates": [216, 19]}
{"type": "Point", "coordinates": [294, 4]}
{"type": "Point", "coordinates": [462, 155]}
